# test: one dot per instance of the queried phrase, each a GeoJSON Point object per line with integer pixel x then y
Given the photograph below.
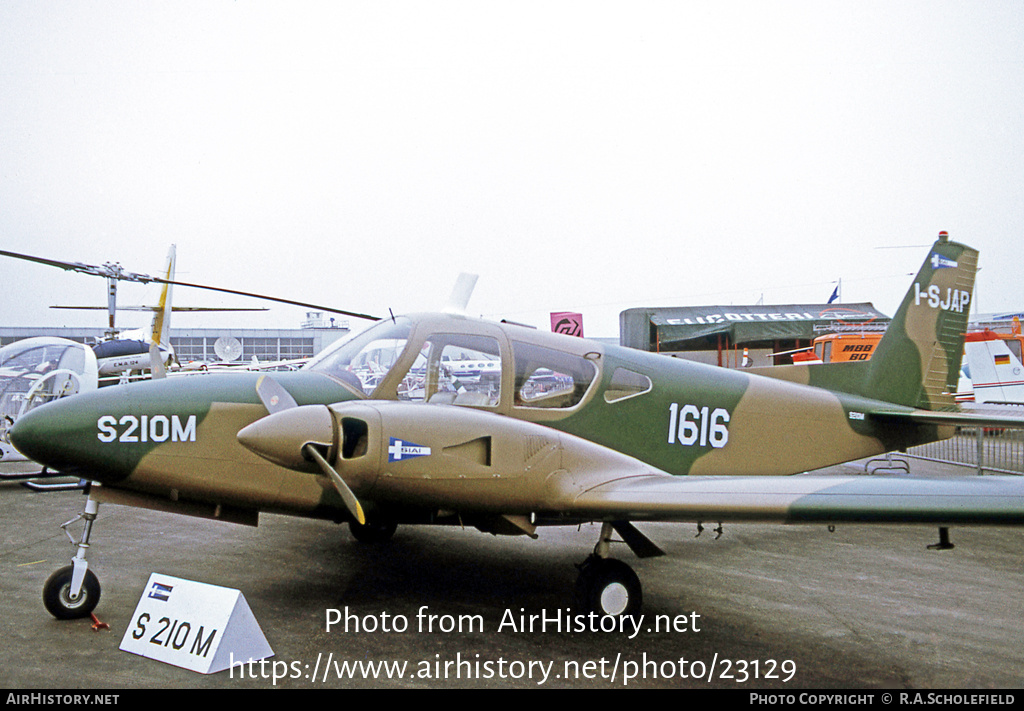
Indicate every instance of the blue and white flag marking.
{"type": "Point", "coordinates": [940, 262]}
{"type": "Point", "coordinates": [160, 591]}
{"type": "Point", "coordinates": [399, 451]}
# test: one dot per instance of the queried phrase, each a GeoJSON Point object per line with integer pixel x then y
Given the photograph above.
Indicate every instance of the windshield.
{"type": "Point", "coordinates": [363, 360]}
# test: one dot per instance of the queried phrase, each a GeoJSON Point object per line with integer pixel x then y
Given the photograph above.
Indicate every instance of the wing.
{"type": "Point", "coordinates": [970, 500]}
{"type": "Point", "coordinates": [658, 496]}
{"type": "Point", "coordinates": [808, 499]}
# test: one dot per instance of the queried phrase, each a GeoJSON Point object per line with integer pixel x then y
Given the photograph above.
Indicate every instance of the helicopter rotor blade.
{"type": "Point", "coordinates": [114, 271]}
{"type": "Point", "coordinates": [318, 307]}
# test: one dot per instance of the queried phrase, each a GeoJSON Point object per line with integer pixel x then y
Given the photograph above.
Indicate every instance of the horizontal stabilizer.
{"type": "Point", "coordinates": [1006, 418]}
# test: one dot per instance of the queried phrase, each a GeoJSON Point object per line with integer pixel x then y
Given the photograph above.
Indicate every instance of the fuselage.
{"type": "Point", "coordinates": [124, 355]}
{"type": "Point", "coordinates": [176, 438]}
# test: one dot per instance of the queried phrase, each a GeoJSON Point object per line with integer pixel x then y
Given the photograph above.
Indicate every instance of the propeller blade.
{"type": "Point", "coordinates": [351, 502]}
{"type": "Point", "coordinates": [291, 435]}
{"type": "Point", "coordinates": [273, 396]}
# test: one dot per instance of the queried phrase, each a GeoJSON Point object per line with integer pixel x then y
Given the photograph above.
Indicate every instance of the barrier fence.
{"type": "Point", "coordinates": [984, 449]}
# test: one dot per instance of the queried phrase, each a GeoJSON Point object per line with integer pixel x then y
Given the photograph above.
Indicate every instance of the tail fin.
{"type": "Point", "coordinates": [161, 330]}
{"type": "Point", "coordinates": [917, 362]}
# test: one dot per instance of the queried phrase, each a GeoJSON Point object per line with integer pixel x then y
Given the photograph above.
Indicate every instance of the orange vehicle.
{"type": "Point", "coordinates": [843, 347]}
{"type": "Point", "coordinates": [840, 347]}
{"type": "Point", "coordinates": [859, 345]}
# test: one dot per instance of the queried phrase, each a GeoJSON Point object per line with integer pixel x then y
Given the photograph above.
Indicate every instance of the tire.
{"type": "Point", "coordinates": [373, 531]}
{"type": "Point", "coordinates": [57, 600]}
{"type": "Point", "coordinates": [609, 587]}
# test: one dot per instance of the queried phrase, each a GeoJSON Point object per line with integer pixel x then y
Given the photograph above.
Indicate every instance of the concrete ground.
{"type": "Point", "coordinates": [783, 607]}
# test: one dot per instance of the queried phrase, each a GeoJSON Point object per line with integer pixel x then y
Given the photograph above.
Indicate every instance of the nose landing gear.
{"type": "Point", "coordinates": [74, 591]}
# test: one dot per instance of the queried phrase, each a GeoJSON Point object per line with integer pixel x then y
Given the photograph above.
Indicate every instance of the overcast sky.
{"type": "Point", "coordinates": [590, 156]}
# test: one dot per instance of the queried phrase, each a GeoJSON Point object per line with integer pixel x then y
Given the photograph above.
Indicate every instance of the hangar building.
{"type": "Point", "coordinates": [718, 334]}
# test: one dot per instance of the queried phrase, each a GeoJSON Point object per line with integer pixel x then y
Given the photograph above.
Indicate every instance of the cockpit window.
{"type": "Point", "coordinates": [461, 369]}
{"type": "Point", "coordinates": [626, 384]}
{"type": "Point", "coordinates": [1014, 346]}
{"type": "Point", "coordinates": [550, 379]}
{"type": "Point", "coordinates": [363, 360]}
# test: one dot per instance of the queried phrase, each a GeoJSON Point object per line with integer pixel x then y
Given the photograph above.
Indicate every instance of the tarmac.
{"type": "Point", "coordinates": [760, 607]}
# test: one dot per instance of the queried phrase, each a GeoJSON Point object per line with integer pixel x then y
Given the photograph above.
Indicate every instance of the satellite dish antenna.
{"type": "Point", "coordinates": [227, 348]}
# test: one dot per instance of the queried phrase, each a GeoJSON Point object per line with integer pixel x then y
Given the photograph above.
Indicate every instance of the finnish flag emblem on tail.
{"type": "Point", "coordinates": [940, 262]}
{"type": "Point", "coordinates": [399, 450]}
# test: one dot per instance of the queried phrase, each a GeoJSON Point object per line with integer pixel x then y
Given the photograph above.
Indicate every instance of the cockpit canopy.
{"type": "Point", "coordinates": [458, 361]}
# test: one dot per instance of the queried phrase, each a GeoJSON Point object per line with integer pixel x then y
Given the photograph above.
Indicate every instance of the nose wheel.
{"type": "Point", "coordinates": [74, 591]}
{"type": "Point", "coordinates": [62, 603]}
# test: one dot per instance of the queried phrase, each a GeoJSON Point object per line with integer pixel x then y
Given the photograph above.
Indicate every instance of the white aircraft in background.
{"type": "Point", "coordinates": [35, 371]}
{"type": "Point", "coordinates": [995, 371]}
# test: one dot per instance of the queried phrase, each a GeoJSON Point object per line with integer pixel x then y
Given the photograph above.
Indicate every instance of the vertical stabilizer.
{"type": "Point", "coordinates": [917, 362]}
{"type": "Point", "coordinates": [161, 331]}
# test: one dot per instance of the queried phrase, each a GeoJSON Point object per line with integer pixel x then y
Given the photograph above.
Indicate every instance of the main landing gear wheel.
{"type": "Point", "coordinates": [372, 531]}
{"type": "Point", "coordinates": [608, 587]}
{"type": "Point", "coordinates": [57, 594]}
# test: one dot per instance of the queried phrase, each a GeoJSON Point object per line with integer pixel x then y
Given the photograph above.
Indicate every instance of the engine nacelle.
{"type": "Point", "coordinates": [441, 456]}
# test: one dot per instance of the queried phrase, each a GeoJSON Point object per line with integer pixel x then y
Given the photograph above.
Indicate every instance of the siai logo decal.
{"type": "Point", "coordinates": [400, 450]}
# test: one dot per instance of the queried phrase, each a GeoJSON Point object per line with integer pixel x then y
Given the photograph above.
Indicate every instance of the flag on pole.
{"type": "Point", "coordinates": [835, 292]}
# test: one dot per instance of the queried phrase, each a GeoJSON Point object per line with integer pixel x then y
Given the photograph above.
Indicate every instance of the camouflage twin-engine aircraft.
{"type": "Point", "coordinates": [444, 419]}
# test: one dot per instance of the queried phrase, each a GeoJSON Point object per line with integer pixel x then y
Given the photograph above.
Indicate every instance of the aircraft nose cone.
{"type": "Point", "coordinates": [49, 435]}
{"type": "Point", "coordinates": [282, 436]}
{"type": "Point", "coordinates": [32, 437]}
{"type": "Point", "coordinates": [63, 436]}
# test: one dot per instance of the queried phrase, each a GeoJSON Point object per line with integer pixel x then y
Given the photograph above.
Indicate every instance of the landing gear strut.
{"type": "Point", "coordinates": [73, 591]}
{"type": "Point", "coordinates": [605, 585]}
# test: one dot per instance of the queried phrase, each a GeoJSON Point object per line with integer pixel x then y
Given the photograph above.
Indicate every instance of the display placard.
{"type": "Point", "coordinates": [194, 625]}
